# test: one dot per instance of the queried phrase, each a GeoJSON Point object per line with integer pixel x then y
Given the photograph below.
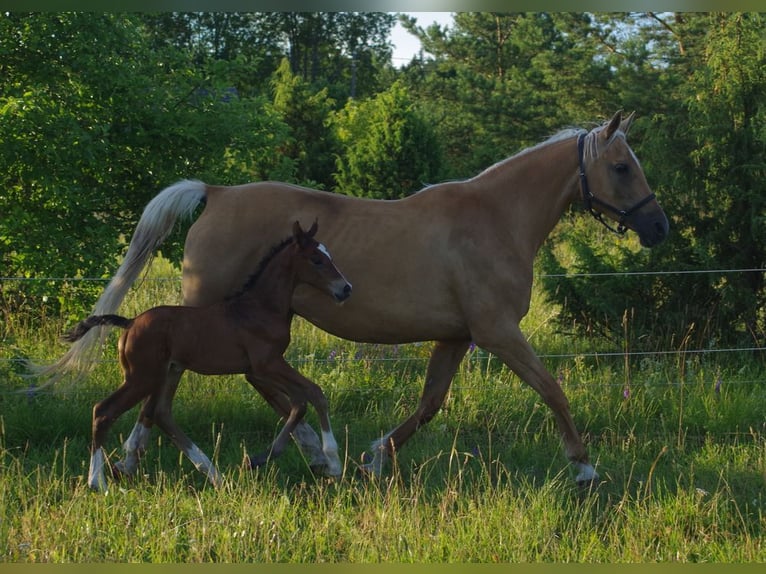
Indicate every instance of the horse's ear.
{"type": "Point", "coordinates": [313, 229]}
{"type": "Point", "coordinates": [614, 125]}
{"type": "Point", "coordinates": [626, 123]}
{"type": "Point", "coordinates": [298, 234]}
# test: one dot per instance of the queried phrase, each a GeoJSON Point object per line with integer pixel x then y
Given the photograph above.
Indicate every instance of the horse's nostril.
{"type": "Point", "coordinates": [347, 289]}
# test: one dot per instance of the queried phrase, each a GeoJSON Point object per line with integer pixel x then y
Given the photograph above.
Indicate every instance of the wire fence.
{"type": "Point", "coordinates": [537, 276]}
{"type": "Point", "coordinates": [364, 353]}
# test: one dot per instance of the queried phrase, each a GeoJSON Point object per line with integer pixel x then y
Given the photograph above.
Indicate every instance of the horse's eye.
{"type": "Point", "coordinates": [316, 260]}
{"type": "Point", "coordinates": [621, 168]}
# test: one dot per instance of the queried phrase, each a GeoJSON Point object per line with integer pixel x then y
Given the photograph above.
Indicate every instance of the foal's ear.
{"type": "Point", "coordinates": [301, 236]}
{"type": "Point", "coordinates": [298, 234]}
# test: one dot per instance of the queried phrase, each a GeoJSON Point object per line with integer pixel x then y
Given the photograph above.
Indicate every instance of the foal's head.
{"type": "Point", "coordinates": [314, 265]}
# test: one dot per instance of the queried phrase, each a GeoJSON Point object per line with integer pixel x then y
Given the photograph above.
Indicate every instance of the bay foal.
{"type": "Point", "coordinates": [247, 333]}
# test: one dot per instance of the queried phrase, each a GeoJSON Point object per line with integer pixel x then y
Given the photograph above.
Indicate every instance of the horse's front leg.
{"type": "Point", "coordinates": [514, 350]}
{"type": "Point", "coordinates": [445, 359]}
{"type": "Point", "coordinates": [280, 376]}
{"type": "Point", "coordinates": [305, 436]}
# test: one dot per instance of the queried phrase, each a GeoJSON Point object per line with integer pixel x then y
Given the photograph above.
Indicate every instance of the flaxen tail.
{"type": "Point", "coordinates": [157, 221]}
{"type": "Point", "coordinates": [79, 330]}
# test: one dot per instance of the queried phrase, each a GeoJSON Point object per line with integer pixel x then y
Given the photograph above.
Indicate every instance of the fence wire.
{"type": "Point", "coordinates": [472, 358]}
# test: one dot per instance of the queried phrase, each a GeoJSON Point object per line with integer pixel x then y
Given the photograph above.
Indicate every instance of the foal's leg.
{"type": "Point", "coordinates": [445, 359]}
{"type": "Point", "coordinates": [297, 412]}
{"type": "Point", "coordinates": [137, 441]}
{"type": "Point", "coordinates": [303, 434]}
{"type": "Point", "coordinates": [299, 390]}
{"type": "Point", "coordinates": [163, 418]}
{"type": "Point", "coordinates": [104, 415]}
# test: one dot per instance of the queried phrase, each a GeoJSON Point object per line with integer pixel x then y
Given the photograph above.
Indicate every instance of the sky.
{"type": "Point", "coordinates": [405, 44]}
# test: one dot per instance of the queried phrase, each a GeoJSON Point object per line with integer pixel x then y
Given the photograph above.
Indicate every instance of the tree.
{"type": "Point", "coordinates": [338, 50]}
{"type": "Point", "coordinates": [387, 149]}
{"type": "Point", "coordinates": [312, 141]}
{"type": "Point", "coordinates": [93, 122]}
{"type": "Point", "coordinates": [703, 151]}
{"type": "Point", "coordinates": [500, 82]}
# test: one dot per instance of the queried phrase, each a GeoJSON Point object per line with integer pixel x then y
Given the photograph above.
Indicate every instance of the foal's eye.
{"type": "Point", "coordinates": [316, 260]}
{"type": "Point", "coordinates": [621, 168]}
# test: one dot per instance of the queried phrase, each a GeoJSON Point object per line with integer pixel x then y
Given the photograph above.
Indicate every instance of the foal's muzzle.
{"type": "Point", "coordinates": [343, 293]}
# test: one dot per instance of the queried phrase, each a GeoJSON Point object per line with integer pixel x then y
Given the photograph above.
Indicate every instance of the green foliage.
{"type": "Point", "coordinates": [682, 459]}
{"type": "Point", "coordinates": [388, 148]}
{"type": "Point", "coordinates": [312, 142]}
{"type": "Point", "coordinates": [100, 111]}
{"type": "Point", "coordinates": [92, 124]}
{"type": "Point", "coordinates": [703, 153]}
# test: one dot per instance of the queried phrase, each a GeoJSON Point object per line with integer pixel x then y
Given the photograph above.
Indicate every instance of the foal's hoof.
{"type": "Point", "coordinates": [256, 461]}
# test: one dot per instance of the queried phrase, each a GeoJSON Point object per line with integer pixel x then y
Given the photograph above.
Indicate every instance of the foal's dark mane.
{"type": "Point", "coordinates": [251, 281]}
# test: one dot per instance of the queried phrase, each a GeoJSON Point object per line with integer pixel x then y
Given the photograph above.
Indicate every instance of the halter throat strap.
{"type": "Point", "coordinates": [590, 200]}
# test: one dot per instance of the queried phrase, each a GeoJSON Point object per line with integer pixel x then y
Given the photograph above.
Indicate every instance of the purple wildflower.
{"type": "Point", "coordinates": [718, 386]}
{"type": "Point", "coordinates": [472, 347]}
{"type": "Point", "coordinates": [626, 393]}
{"type": "Point", "coordinates": [332, 355]}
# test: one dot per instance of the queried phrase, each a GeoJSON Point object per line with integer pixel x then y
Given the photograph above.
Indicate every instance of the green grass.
{"type": "Point", "coordinates": [683, 462]}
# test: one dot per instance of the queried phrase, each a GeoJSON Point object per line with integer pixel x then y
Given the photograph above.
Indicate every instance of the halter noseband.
{"type": "Point", "coordinates": [589, 199]}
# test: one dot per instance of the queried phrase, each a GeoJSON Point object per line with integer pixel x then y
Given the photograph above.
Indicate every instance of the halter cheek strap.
{"type": "Point", "coordinates": [590, 200]}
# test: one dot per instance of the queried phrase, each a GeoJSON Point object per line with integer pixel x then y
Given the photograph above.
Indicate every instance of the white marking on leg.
{"type": "Point", "coordinates": [96, 478]}
{"type": "Point", "coordinates": [134, 446]}
{"type": "Point", "coordinates": [586, 473]}
{"type": "Point", "coordinates": [202, 463]}
{"type": "Point", "coordinates": [330, 448]}
{"type": "Point", "coordinates": [379, 450]}
{"type": "Point", "coordinates": [308, 442]}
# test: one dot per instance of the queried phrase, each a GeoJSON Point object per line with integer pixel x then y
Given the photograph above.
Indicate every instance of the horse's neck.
{"type": "Point", "coordinates": [274, 287]}
{"type": "Point", "coordinates": [533, 188]}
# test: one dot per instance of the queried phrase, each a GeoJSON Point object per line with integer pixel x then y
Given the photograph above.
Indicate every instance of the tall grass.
{"type": "Point", "coordinates": [677, 439]}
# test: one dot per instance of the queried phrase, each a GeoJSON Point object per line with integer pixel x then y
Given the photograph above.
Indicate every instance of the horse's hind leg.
{"type": "Point", "coordinates": [305, 436]}
{"type": "Point", "coordinates": [163, 418]}
{"type": "Point", "coordinates": [137, 441]}
{"type": "Point", "coordinates": [104, 415]}
{"type": "Point", "coordinates": [445, 359]}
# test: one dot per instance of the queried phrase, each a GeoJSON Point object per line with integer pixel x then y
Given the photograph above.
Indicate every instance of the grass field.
{"type": "Point", "coordinates": [678, 439]}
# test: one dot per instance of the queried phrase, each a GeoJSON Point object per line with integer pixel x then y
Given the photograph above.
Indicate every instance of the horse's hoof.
{"type": "Point", "coordinates": [588, 484]}
{"type": "Point", "coordinates": [256, 461]}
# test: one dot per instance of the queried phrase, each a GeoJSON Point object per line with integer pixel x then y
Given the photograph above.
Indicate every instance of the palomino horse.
{"type": "Point", "coordinates": [247, 333]}
{"type": "Point", "coordinates": [452, 263]}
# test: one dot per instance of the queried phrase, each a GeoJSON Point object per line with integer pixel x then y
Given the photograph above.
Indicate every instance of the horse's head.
{"type": "Point", "coordinates": [614, 186]}
{"type": "Point", "coordinates": [315, 265]}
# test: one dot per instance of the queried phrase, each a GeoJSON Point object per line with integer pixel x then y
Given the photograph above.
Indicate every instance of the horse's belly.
{"type": "Point", "coordinates": [381, 322]}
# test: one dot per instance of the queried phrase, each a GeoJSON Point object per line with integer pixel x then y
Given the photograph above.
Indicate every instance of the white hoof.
{"type": "Point", "coordinates": [586, 475]}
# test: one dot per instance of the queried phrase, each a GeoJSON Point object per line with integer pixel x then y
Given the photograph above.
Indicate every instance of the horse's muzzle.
{"type": "Point", "coordinates": [342, 294]}
{"type": "Point", "coordinates": [651, 229]}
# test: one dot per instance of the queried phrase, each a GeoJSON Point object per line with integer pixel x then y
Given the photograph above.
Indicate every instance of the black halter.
{"type": "Point", "coordinates": [589, 199]}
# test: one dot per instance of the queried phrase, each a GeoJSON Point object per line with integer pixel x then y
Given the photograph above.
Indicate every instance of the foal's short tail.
{"type": "Point", "coordinates": [157, 220]}
{"type": "Point", "coordinates": [79, 330]}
